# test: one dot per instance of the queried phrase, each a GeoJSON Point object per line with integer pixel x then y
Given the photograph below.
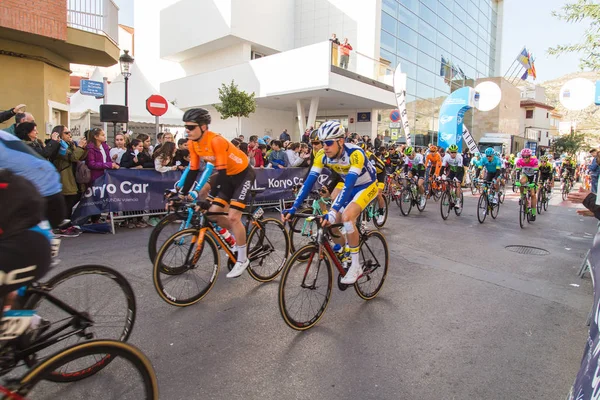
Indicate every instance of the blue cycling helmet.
{"type": "Point", "coordinates": [489, 152]}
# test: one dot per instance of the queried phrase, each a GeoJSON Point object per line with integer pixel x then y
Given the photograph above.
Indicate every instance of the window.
{"type": "Point", "coordinates": [255, 55]}
{"type": "Point", "coordinates": [547, 115]}
{"type": "Point", "coordinates": [390, 6]}
{"type": "Point", "coordinates": [546, 133]}
{"type": "Point", "coordinates": [408, 18]}
{"type": "Point", "coordinates": [528, 114]}
{"type": "Point", "coordinates": [388, 23]}
{"type": "Point", "coordinates": [405, 50]}
{"type": "Point", "coordinates": [408, 35]}
{"type": "Point", "coordinates": [388, 42]}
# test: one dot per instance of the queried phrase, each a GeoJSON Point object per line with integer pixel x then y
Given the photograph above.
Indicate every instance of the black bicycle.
{"type": "Point", "coordinates": [488, 202]}
{"type": "Point", "coordinates": [410, 196]}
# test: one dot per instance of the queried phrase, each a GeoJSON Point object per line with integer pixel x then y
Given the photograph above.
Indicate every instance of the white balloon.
{"type": "Point", "coordinates": [577, 94]}
{"type": "Point", "coordinates": [489, 96]}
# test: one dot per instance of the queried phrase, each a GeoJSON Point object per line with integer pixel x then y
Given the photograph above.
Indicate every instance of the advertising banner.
{"type": "Point", "coordinates": [400, 90]}
{"type": "Point", "coordinates": [451, 117]}
{"type": "Point", "coordinates": [143, 189]}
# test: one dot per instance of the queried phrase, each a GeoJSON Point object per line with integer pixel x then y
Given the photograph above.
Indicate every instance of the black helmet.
{"type": "Point", "coordinates": [314, 135]}
{"type": "Point", "coordinates": [198, 115]}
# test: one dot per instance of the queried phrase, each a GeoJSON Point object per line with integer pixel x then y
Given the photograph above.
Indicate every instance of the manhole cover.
{"type": "Point", "coordinates": [528, 250]}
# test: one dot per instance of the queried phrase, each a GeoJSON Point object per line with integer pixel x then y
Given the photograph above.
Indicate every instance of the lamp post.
{"type": "Point", "coordinates": [126, 61]}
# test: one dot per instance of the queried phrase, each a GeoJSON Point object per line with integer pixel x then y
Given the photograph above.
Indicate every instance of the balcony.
{"type": "Point", "coordinates": [96, 16]}
{"type": "Point", "coordinates": [302, 73]}
{"type": "Point", "coordinates": [361, 67]}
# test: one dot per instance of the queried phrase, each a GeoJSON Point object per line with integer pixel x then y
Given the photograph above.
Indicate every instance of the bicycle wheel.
{"type": "Point", "coordinates": [514, 187]}
{"type": "Point", "coordinates": [268, 249]}
{"type": "Point", "coordinates": [482, 208]}
{"type": "Point", "coordinates": [522, 212]}
{"type": "Point", "coordinates": [130, 375]}
{"type": "Point", "coordinates": [102, 294]}
{"type": "Point", "coordinates": [565, 192]}
{"type": "Point", "coordinates": [474, 188]}
{"type": "Point", "coordinates": [540, 203]}
{"type": "Point", "coordinates": [494, 209]}
{"type": "Point", "coordinates": [445, 205]}
{"type": "Point", "coordinates": [378, 214]}
{"type": "Point", "coordinates": [458, 211]}
{"type": "Point", "coordinates": [502, 194]}
{"type": "Point", "coordinates": [197, 267]}
{"type": "Point", "coordinates": [165, 228]}
{"type": "Point", "coordinates": [374, 258]}
{"type": "Point", "coordinates": [305, 288]}
{"type": "Point", "coordinates": [405, 202]}
{"type": "Point", "coordinates": [546, 201]}
{"type": "Point", "coordinates": [420, 207]}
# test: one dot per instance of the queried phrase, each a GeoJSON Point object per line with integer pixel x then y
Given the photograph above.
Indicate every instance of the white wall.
{"type": "Point", "coordinates": [358, 20]}
{"type": "Point", "coordinates": [147, 38]}
{"type": "Point", "coordinates": [263, 122]}
{"type": "Point", "coordinates": [223, 58]}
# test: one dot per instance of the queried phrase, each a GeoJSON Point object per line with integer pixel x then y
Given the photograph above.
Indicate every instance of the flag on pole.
{"type": "Point", "coordinates": [523, 58]}
{"type": "Point", "coordinates": [531, 69]}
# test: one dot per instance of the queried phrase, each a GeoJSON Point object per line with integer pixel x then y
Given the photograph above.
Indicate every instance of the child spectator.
{"type": "Point", "coordinates": [164, 157]}
{"type": "Point", "coordinates": [277, 158]}
{"type": "Point", "coordinates": [145, 156]}
{"type": "Point", "coordinates": [130, 158]}
{"type": "Point", "coordinates": [120, 148]}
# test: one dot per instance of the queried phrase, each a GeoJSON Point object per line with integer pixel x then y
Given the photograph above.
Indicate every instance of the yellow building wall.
{"type": "Point", "coordinates": [32, 82]}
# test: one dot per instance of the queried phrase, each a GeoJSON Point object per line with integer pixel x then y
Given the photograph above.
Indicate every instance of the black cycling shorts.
{"type": "Point", "coordinates": [381, 177]}
{"type": "Point", "coordinates": [19, 264]}
{"type": "Point", "coordinates": [418, 173]}
{"type": "Point", "coordinates": [235, 191]}
{"type": "Point", "coordinates": [458, 174]}
{"type": "Point", "coordinates": [545, 177]}
{"type": "Point", "coordinates": [530, 178]}
{"type": "Point", "coordinates": [490, 176]}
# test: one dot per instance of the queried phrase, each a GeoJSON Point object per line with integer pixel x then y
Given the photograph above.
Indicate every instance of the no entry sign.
{"type": "Point", "coordinates": [157, 105]}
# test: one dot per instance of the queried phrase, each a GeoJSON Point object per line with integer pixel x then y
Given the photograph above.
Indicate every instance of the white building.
{"type": "Point", "coordinates": [539, 121]}
{"type": "Point", "coordinates": [279, 49]}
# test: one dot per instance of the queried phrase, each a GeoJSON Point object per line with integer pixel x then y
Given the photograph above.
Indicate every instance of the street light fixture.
{"type": "Point", "coordinates": [126, 61]}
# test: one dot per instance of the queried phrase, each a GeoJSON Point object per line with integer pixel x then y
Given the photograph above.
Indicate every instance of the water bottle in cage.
{"type": "Point", "coordinates": [225, 235]}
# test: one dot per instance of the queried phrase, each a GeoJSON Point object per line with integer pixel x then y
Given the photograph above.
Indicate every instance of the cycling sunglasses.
{"type": "Point", "coordinates": [191, 127]}
{"type": "Point", "coordinates": [315, 143]}
{"type": "Point", "coordinates": [329, 143]}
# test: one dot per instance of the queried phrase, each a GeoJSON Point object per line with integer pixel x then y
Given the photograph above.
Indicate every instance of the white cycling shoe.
{"type": "Point", "coordinates": [352, 274]}
{"type": "Point", "coordinates": [381, 219]}
{"type": "Point", "coordinates": [238, 269]}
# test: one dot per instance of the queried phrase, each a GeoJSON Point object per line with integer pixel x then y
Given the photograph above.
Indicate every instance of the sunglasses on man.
{"type": "Point", "coordinates": [190, 127]}
{"type": "Point", "coordinates": [329, 143]}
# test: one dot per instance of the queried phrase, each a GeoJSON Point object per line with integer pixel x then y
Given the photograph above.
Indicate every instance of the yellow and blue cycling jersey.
{"type": "Point", "coordinates": [355, 170]}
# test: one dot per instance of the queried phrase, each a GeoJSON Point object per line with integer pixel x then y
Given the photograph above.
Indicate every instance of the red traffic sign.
{"type": "Point", "coordinates": [395, 116]}
{"type": "Point", "coordinates": [157, 105]}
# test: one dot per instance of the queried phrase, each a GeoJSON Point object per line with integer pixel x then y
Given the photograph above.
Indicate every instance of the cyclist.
{"type": "Point", "coordinates": [528, 167]}
{"type": "Point", "coordinates": [414, 166]}
{"type": "Point", "coordinates": [567, 169]}
{"type": "Point", "coordinates": [394, 159]}
{"type": "Point", "coordinates": [452, 164]}
{"type": "Point", "coordinates": [380, 170]}
{"type": "Point", "coordinates": [493, 166]}
{"type": "Point", "coordinates": [22, 210]}
{"type": "Point", "coordinates": [546, 173]}
{"type": "Point", "coordinates": [232, 185]}
{"type": "Point", "coordinates": [21, 159]}
{"type": "Point", "coordinates": [360, 187]}
{"type": "Point", "coordinates": [334, 184]}
{"type": "Point", "coordinates": [434, 162]}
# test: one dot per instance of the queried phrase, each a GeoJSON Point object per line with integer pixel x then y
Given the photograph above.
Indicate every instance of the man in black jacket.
{"type": "Point", "coordinates": [8, 114]}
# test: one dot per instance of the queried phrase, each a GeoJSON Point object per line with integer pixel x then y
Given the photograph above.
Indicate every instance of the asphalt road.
{"type": "Point", "coordinates": [459, 317]}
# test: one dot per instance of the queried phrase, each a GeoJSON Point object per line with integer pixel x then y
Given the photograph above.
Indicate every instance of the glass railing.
{"type": "Point", "coordinates": [96, 16]}
{"type": "Point", "coordinates": [361, 64]}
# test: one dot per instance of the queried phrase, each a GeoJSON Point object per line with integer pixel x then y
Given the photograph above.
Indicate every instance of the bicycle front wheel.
{"type": "Point", "coordinates": [405, 201]}
{"type": "Point", "coordinates": [482, 208]}
{"type": "Point", "coordinates": [301, 230]}
{"type": "Point", "coordinates": [458, 211]}
{"type": "Point", "coordinates": [373, 256]}
{"type": "Point", "coordinates": [522, 212]}
{"type": "Point", "coordinates": [268, 249]}
{"type": "Point", "coordinates": [129, 377]}
{"type": "Point", "coordinates": [445, 206]}
{"type": "Point", "coordinates": [196, 263]}
{"type": "Point", "coordinates": [305, 288]}
{"type": "Point", "coordinates": [102, 294]}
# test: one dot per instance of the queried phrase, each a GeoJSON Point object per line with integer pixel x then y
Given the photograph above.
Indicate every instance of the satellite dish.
{"type": "Point", "coordinates": [489, 96]}
{"type": "Point", "coordinates": [577, 94]}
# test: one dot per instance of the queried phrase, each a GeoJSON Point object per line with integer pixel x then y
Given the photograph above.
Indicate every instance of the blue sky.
{"type": "Point", "coordinates": [526, 23]}
{"type": "Point", "coordinates": [529, 23]}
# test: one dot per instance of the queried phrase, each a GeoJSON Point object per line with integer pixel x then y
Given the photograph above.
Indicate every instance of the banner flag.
{"type": "Point", "coordinates": [400, 89]}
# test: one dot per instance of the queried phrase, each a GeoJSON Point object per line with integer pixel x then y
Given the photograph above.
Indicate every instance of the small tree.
{"type": "Point", "coordinates": [579, 11]}
{"type": "Point", "coordinates": [570, 143]}
{"type": "Point", "coordinates": [235, 103]}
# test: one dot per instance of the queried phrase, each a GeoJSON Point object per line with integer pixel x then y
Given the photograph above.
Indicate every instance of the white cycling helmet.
{"type": "Point", "coordinates": [331, 130]}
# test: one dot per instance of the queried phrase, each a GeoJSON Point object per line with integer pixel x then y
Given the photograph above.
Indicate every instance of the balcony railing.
{"type": "Point", "coordinates": [96, 16]}
{"type": "Point", "coordinates": [362, 65]}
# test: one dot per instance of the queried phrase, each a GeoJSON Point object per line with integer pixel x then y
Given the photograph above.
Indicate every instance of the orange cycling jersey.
{"type": "Point", "coordinates": [215, 149]}
{"type": "Point", "coordinates": [436, 161]}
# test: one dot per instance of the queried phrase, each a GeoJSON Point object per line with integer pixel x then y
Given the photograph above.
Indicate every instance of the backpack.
{"type": "Point", "coordinates": [82, 173]}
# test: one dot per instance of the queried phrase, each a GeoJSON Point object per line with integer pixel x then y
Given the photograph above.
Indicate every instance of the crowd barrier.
{"type": "Point", "coordinates": [587, 382]}
{"type": "Point", "coordinates": [139, 192]}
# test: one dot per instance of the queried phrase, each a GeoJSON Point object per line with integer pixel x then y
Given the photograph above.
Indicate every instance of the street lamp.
{"type": "Point", "coordinates": [126, 61]}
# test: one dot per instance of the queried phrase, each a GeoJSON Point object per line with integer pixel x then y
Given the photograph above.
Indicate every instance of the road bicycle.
{"type": "Point", "coordinates": [486, 204]}
{"type": "Point", "coordinates": [302, 229]}
{"type": "Point", "coordinates": [188, 263]}
{"type": "Point", "coordinates": [544, 196]}
{"type": "Point", "coordinates": [525, 209]}
{"type": "Point", "coordinates": [43, 328]}
{"type": "Point", "coordinates": [307, 279]}
{"type": "Point", "coordinates": [450, 199]}
{"type": "Point", "coordinates": [567, 186]}
{"type": "Point", "coordinates": [392, 188]}
{"type": "Point", "coordinates": [435, 188]}
{"type": "Point", "coordinates": [372, 213]}
{"type": "Point", "coordinates": [410, 196]}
